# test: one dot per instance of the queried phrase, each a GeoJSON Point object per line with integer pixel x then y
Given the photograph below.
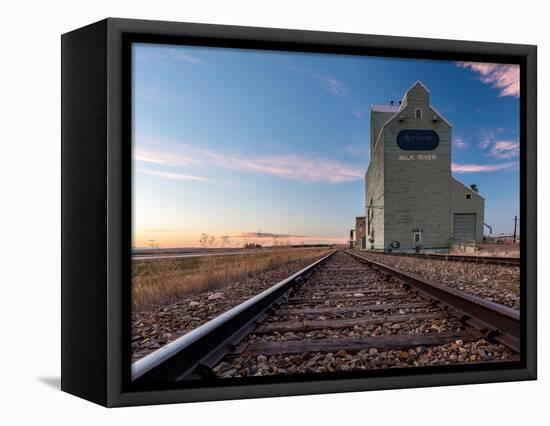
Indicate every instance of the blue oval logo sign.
{"type": "Point", "coordinates": [417, 140]}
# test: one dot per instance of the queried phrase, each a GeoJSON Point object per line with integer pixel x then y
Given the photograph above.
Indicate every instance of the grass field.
{"type": "Point", "coordinates": [504, 250]}
{"type": "Point", "coordinates": [163, 281]}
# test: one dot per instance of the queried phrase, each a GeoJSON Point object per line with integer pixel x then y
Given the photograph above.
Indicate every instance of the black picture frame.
{"type": "Point", "coordinates": [96, 206]}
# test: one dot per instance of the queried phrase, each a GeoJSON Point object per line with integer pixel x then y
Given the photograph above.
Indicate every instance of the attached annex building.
{"type": "Point", "coordinates": [412, 201]}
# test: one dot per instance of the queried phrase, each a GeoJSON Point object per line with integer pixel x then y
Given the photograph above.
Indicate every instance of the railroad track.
{"type": "Point", "coordinates": [489, 260]}
{"type": "Point", "coordinates": [341, 305]}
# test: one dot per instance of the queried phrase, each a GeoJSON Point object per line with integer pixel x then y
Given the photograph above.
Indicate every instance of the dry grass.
{"type": "Point", "coordinates": [503, 250]}
{"type": "Point", "coordinates": [163, 281]}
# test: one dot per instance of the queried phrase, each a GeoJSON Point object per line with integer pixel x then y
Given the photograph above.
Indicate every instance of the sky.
{"type": "Point", "coordinates": [246, 145]}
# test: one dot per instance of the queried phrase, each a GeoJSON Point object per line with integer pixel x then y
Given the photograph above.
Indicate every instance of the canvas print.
{"type": "Point", "coordinates": [308, 214]}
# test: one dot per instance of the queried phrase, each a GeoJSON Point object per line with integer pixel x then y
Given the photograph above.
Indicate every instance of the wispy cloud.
{"type": "Point", "coordinates": [504, 149]}
{"type": "Point", "coordinates": [291, 166]}
{"type": "Point", "coordinates": [488, 137]}
{"type": "Point", "coordinates": [491, 142]}
{"type": "Point", "coordinates": [266, 235]}
{"type": "Point", "coordinates": [164, 157]}
{"type": "Point", "coordinates": [333, 86]}
{"type": "Point", "coordinates": [182, 55]}
{"type": "Point", "coordinates": [303, 168]}
{"type": "Point", "coordinates": [167, 56]}
{"type": "Point", "coordinates": [480, 168]}
{"type": "Point", "coordinates": [497, 145]}
{"type": "Point", "coordinates": [504, 77]}
{"type": "Point", "coordinates": [460, 143]}
{"type": "Point", "coordinates": [172, 176]}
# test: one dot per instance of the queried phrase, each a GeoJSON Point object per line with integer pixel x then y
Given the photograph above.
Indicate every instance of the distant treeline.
{"type": "Point", "coordinates": [257, 246]}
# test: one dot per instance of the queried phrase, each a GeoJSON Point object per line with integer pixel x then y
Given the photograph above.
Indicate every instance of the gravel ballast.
{"type": "Point", "coordinates": [457, 352]}
{"type": "Point", "coordinates": [324, 301]}
{"type": "Point", "coordinates": [497, 283]}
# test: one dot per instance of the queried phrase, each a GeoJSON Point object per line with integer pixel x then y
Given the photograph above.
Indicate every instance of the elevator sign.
{"type": "Point", "coordinates": [417, 140]}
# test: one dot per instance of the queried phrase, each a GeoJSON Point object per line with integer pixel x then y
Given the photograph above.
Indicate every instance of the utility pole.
{"type": "Point", "coordinates": [515, 227]}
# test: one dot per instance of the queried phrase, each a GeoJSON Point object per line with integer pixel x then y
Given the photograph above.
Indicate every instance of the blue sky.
{"type": "Point", "coordinates": [229, 142]}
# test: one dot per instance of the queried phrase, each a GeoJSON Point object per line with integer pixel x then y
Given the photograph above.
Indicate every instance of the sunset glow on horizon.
{"type": "Point", "coordinates": [176, 239]}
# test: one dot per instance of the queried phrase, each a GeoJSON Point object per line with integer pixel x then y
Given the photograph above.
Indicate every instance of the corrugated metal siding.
{"type": "Point", "coordinates": [464, 226]}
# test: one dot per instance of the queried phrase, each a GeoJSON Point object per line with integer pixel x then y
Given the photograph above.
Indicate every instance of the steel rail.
{"type": "Point", "coordinates": [195, 353]}
{"type": "Point", "coordinates": [497, 322]}
{"type": "Point", "coordinates": [489, 260]}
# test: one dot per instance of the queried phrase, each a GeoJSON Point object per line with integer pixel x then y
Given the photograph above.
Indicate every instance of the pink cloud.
{"type": "Point", "coordinates": [290, 166]}
{"type": "Point", "coordinates": [162, 157]}
{"type": "Point", "coordinates": [460, 143]}
{"type": "Point", "coordinates": [504, 149]}
{"type": "Point", "coordinates": [489, 136]}
{"type": "Point", "coordinates": [485, 141]}
{"type": "Point", "coordinates": [304, 168]}
{"type": "Point", "coordinates": [477, 168]}
{"type": "Point", "coordinates": [504, 77]}
{"type": "Point", "coordinates": [497, 146]}
{"type": "Point", "coordinates": [173, 176]}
